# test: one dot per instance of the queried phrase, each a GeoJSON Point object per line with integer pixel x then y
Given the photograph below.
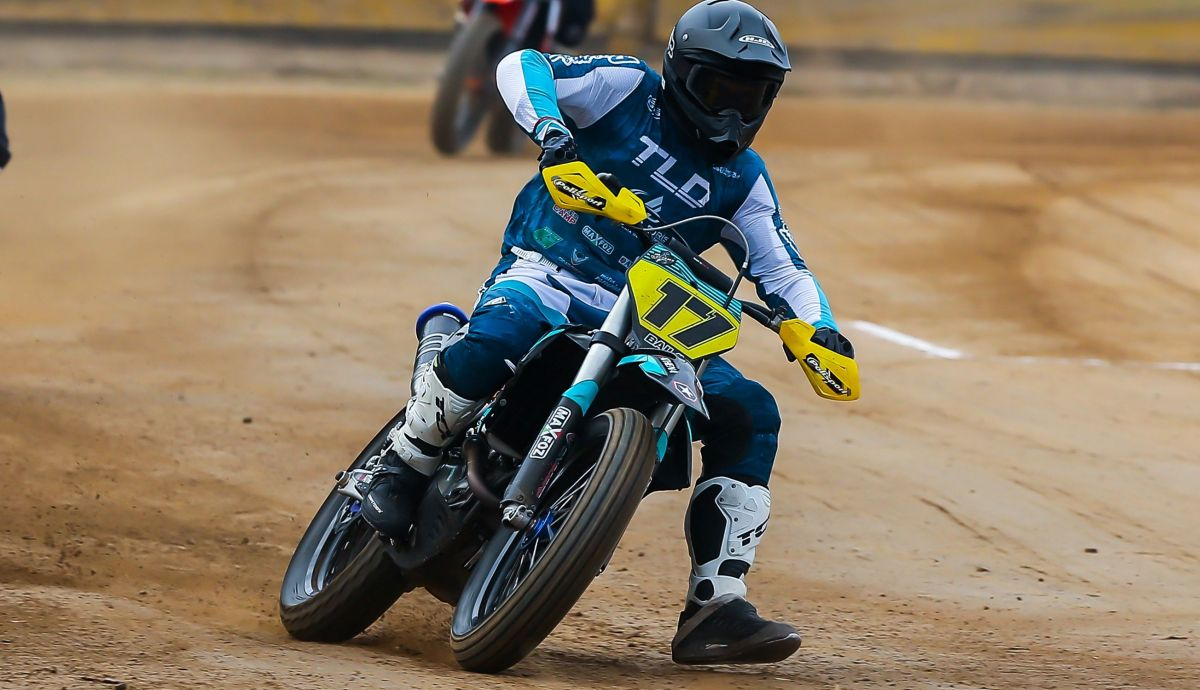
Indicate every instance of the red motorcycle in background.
{"type": "Point", "coordinates": [487, 31]}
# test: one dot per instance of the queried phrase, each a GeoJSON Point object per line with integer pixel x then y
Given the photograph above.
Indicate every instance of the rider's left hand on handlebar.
{"type": "Point", "coordinates": [829, 339]}
{"type": "Point", "coordinates": [558, 148]}
{"type": "Point", "coordinates": [832, 340]}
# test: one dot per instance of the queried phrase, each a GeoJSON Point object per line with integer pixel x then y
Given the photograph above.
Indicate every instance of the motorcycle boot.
{"type": "Point", "coordinates": [433, 416]}
{"type": "Point", "coordinates": [724, 525]}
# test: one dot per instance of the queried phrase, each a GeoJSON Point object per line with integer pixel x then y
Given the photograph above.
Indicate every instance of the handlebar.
{"type": "Point", "coordinates": [574, 186]}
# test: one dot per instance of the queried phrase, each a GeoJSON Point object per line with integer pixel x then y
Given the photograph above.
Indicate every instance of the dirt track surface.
{"type": "Point", "coordinates": [206, 298]}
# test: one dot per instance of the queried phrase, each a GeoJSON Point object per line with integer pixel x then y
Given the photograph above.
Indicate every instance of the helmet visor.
{"type": "Point", "coordinates": [718, 91]}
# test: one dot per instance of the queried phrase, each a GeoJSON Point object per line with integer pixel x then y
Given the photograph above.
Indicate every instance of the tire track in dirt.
{"type": "Point", "coordinates": [259, 255]}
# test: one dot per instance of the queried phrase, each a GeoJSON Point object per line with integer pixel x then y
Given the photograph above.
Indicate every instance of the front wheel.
{"type": "Point", "coordinates": [525, 582]}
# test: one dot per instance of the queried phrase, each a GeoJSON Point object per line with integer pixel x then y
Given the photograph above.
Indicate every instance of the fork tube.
{"type": "Point", "coordinates": [522, 494]}
{"type": "Point", "coordinates": [666, 417]}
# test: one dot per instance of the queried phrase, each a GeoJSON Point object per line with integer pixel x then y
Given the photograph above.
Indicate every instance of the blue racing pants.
{"type": "Point", "coordinates": [740, 437]}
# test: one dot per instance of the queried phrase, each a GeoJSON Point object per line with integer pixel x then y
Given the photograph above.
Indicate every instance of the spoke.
{"type": "Point", "coordinates": [575, 489]}
{"type": "Point", "coordinates": [559, 517]}
{"type": "Point", "coordinates": [524, 551]}
{"type": "Point", "coordinates": [340, 528]}
{"type": "Point", "coordinates": [533, 552]}
{"type": "Point", "coordinates": [514, 577]}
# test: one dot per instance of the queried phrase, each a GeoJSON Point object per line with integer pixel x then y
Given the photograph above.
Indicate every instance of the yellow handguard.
{"type": "Point", "coordinates": [575, 187]}
{"type": "Point", "coordinates": [833, 376]}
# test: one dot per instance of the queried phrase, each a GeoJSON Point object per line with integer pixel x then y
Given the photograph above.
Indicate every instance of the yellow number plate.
{"type": "Point", "coordinates": [677, 308]}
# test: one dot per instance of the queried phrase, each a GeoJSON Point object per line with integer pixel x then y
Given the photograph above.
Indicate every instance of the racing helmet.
{"type": "Point", "coordinates": [724, 65]}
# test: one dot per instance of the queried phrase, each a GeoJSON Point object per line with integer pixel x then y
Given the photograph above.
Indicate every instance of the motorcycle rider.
{"type": "Point", "coordinates": [682, 140]}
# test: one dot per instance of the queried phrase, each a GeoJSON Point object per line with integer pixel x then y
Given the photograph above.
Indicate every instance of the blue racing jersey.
{"type": "Point", "coordinates": [611, 104]}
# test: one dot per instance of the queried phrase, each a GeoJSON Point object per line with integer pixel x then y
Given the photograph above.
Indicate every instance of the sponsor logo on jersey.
{"type": "Point", "coordinates": [578, 257]}
{"type": "Point", "coordinates": [572, 60]}
{"type": "Point", "coordinates": [596, 239]}
{"type": "Point", "coordinates": [654, 205]}
{"type": "Point", "coordinates": [695, 192]}
{"type": "Point", "coordinates": [546, 237]}
{"type": "Point", "coordinates": [660, 236]}
{"type": "Point", "coordinates": [608, 283]}
{"type": "Point", "coordinates": [727, 172]}
{"type": "Point", "coordinates": [756, 40]}
{"type": "Point", "coordinates": [567, 215]}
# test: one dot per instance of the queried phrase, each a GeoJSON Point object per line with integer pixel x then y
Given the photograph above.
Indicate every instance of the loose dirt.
{"type": "Point", "coordinates": [206, 298]}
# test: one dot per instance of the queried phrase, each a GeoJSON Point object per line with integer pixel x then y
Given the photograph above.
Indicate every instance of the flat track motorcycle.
{"type": "Point", "coordinates": [536, 491]}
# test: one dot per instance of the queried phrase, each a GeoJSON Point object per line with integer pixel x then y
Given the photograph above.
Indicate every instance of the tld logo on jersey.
{"type": "Point", "coordinates": [695, 192]}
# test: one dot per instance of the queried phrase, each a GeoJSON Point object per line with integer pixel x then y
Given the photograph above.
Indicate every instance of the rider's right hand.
{"type": "Point", "coordinates": [557, 148]}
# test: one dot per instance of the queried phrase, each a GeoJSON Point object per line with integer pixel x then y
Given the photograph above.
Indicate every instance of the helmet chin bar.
{"type": "Point", "coordinates": [732, 135]}
{"type": "Point", "coordinates": [728, 135]}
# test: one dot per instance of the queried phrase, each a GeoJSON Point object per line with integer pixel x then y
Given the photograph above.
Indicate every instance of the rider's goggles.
{"type": "Point", "coordinates": [719, 91]}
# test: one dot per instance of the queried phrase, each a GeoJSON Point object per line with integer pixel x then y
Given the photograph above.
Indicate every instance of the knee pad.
{"type": "Point", "coordinates": [725, 523]}
{"type": "Point", "coordinates": [476, 360]}
{"type": "Point", "coordinates": [741, 438]}
{"type": "Point", "coordinates": [759, 404]}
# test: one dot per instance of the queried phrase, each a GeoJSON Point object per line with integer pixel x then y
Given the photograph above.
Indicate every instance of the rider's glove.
{"type": "Point", "coordinates": [829, 339]}
{"type": "Point", "coordinates": [558, 147]}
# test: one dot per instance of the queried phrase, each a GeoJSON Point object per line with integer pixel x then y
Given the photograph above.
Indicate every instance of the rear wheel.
{"type": "Point", "coordinates": [503, 136]}
{"type": "Point", "coordinates": [465, 90]}
{"type": "Point", "coordinates": [340, 579]}
{"type": "Point", "coordinates": [525, 582]}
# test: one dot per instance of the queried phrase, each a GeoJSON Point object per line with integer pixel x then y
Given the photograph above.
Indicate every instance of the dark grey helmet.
{"type": "Point", "coordinates": [723, 67]}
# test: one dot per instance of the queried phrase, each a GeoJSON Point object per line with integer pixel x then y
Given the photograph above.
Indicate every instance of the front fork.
{"type": "Point", "coordinates": [520, 499]}
{"type": "Point", "coordinates": [666, 417]}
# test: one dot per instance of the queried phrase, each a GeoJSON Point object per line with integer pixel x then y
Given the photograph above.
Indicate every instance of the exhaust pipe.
{"type": "Point", "coordinates": [435, 325]}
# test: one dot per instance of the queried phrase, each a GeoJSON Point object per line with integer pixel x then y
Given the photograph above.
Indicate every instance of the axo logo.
{"type": "Point", "coordinates": [695, 192]}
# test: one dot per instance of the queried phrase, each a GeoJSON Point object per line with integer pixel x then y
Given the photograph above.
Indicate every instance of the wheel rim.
{"type": "Point", "coordinates": [472, 102]}
{"type": "Point", "coordinates": [345, 536]}
{"type": "Point", "coordinates": [343, 540]}
{"type": "Point", "coordinates": [470, 108]}
{"type": "Point", "coordinates": [522, 551]}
